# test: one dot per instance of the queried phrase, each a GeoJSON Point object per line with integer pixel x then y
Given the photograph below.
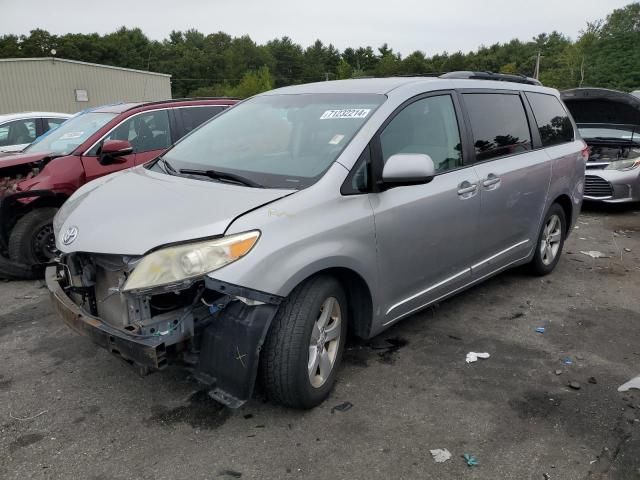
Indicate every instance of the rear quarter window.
{"type": "Point", "coordinates": [552, 119]}
{"type": "Point", "coordinates": [498, 123]}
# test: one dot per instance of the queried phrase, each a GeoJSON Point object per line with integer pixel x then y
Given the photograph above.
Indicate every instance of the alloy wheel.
{"type": "Point", "coordinates": [324, 342]}
{"type": "Point", "coordinates": [550, 241]}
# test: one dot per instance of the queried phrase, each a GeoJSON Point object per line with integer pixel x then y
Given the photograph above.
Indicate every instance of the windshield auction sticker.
{"type": "Point", "coordinates": [346, 113]}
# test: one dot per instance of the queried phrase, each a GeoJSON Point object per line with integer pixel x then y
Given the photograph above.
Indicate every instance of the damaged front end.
{"type": "Point", "coordinates": [215, 328]}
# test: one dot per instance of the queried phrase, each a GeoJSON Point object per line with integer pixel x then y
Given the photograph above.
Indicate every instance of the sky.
{"type": "Point", "coordinates": [406, 25]}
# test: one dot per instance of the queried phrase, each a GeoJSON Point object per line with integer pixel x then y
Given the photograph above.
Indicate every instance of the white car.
{"type": "Point", "coordinates": [17, 130]}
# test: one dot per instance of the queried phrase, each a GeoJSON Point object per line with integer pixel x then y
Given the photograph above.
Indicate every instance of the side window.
{"type": "Point", "coordinates": [426, 126]}
{"type": "Point", "coordinates": [498, 123]}
{"type": "Point", "coordinates": [193, 117]}
{"type": "Point", "coordinates": [18, 132]}
{"type": "Point", "coordinates": [52, 123]}
{"type": "Point", "coordinates": [146, 131]}
{"type": "Point", "coordinates": [552, 119]}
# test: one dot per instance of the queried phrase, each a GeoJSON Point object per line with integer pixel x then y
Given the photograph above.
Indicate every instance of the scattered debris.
{"type": "Point", "coordinates": [567, 361]}
{"type": "Point", "coordinates": [28, 418]}
{"type": "Point", "coordinates": [540, 329]}
{"type": "Point", "coordinates": [558, 372]}
{"type": "Point", "coordinates": [473, 356]}
{"type": "Point", "coordinates": [633, 383]}
{"type": "Point", "coordinates": [343, 407]}
{"type": "Point", "coordinates": [594, 254]}
{"type": "Point", "coordinates": [592, 380]}
{"type": "Point", "coordinates": [627, 250]}
{"type": "Point", "coordinates": [546, 476]}
{"type": "Point", "coordinates": [440, 455]}
{"type": "Point", "coordinates": [517, 315]}
{"type": "Point", "coordinates": [229, 473]}
{"type": "Point", "coordinates": [454, 337]}
{"type": "Point", "coordinates": [574, 385]}
{"type": "Point", "coordinates": [471, 460]}
{"type": "Point", "coordinates": [248, 416]}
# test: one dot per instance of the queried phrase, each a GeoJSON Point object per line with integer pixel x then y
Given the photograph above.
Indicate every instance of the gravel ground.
{"type": "Point", "coordinates": [70, 410]}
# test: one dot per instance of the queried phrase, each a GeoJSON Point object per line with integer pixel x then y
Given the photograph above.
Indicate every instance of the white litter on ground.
{"type": "Point", "coordinates": [594, 254]}
{"type": "Point", "coordinates": [633, 383]}
{"type": "Point", "coordinates": [473, 356]}
{"type": "Point", "coordinates": [440, 455]}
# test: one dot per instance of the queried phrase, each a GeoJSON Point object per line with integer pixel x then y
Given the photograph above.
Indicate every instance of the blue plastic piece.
{"type": "Point", "coordinates": [540, 329]}
{"type": "Point", "coordinates": [471, 460]}
{"type": "Point", "coordinates": [567, 361]}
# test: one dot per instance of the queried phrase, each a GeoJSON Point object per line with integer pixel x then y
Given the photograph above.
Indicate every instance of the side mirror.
{"type": "Point", "coordinates": [408, 169]}
{"type": "Point", "coordinates": [112, 151]}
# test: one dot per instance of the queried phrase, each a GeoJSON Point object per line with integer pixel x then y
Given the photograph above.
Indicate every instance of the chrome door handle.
{"type": "Point", "coordinates": [466, 188]}
{"type": "Point", "coordinates": [491, 180]}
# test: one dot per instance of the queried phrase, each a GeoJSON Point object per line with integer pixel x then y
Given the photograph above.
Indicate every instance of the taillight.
{"type": "Point", "coordinates": [586, 152]}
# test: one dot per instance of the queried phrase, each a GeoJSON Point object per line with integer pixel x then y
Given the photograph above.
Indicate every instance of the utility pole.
{"type": "Point", "coordinates": [326, 76]}
{"type": "Point", "coordinates": [536, 73]}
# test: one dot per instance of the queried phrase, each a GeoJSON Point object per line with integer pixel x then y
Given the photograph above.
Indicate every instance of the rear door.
{"type": "Point", "coordinates": [149, 135]}
{"type": "Point", "coordinates": [426, 234]}
{"type": "Point", "coordinates": [514, 177]}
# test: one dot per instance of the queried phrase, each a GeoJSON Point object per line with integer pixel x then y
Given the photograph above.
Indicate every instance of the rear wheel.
{"type": "Point", "coordinates": [550, 241]}
{"type": "Point", "coordinates": [304, 346]}
{"type": "Point", "coordinates": [31, 241]}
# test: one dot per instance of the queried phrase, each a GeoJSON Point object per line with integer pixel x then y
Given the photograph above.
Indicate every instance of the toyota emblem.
{"type": "Point", "coordinates": [70, 236]}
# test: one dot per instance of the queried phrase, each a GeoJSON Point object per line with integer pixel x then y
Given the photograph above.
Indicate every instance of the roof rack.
{"type": "Point", "coordinates": [500, 77]}
{"type": "Point", "coordinates": [185, 99]}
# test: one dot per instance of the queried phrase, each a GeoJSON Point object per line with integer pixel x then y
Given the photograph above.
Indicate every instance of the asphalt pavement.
{"type": "Point", "coordinates": [541, 404]}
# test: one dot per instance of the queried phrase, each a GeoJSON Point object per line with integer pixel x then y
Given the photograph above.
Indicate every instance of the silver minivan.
{"type": "Point", "coordinates": [255, 245]}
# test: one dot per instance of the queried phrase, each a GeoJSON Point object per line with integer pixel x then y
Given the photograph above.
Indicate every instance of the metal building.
{"type": "Point", "coordinates": [58, 85]}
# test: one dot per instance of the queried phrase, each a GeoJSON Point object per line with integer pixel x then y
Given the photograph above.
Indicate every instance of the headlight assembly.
{"type": "Point", "coordinates": [183, 262]}
{"type": "Point", "coordinates": [628, 164]}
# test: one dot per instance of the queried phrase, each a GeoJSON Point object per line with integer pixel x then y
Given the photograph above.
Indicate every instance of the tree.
{"type": "Point", "coordinates": [252, 83]}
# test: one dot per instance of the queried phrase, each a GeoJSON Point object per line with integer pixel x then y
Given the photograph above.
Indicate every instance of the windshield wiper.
{"type": "Point", "coordinates": [167, 166]}
{"type": "Point", "coordinates": [222, 176]}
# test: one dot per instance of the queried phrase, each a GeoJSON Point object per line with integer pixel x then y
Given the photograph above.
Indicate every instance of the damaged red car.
{"type": "Point", "coordinates": [35, 182]}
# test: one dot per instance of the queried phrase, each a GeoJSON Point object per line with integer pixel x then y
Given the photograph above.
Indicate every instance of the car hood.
{"type": "Point", "coordinates": [12, 159]}
{"type": "Point", "coordinates": [134, 211]}
{"type": "Point", "coordinates": [602, 106]}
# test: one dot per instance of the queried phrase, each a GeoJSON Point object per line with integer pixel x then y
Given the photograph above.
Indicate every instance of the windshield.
{"type": "Point", "coordinates": [72, 133]}
{"type": "Point", "coordinates": [614, 132]}
{"type": "Point", "coordinates": [277, 141]}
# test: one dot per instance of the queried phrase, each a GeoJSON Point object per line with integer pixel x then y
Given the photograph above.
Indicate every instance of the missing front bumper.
{"type": "Point", "coordinates": [146, 353]}
{"type": "Point", "coordinates": [229, 346]}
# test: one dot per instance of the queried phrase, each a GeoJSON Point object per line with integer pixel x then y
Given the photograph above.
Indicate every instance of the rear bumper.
{"type": "Point", "coordinates": [146, 353]}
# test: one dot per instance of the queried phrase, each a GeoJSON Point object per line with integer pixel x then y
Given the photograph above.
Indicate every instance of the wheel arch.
{"type": "Point", "coordinates": [359, 297]}
{"type": "Point", "coordinates": [565, 202]}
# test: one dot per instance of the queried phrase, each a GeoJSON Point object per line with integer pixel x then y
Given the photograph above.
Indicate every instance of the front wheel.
{"type": "Point", "coordinates": [550, 241]}
{"type": "Point", "coordinates": [31, 241]}
{"type": "Point", "coordinates": [304, 346]}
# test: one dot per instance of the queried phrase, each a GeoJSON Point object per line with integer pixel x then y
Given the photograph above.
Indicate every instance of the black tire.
{"type": "Point", "coordinates": [30, 233]}
{"type": "Point", "coordinates": [284, 366]}
{"type": "Point", "coordinates": [540, 266]}
{"type": "Point", "coordinates": [15, 271]}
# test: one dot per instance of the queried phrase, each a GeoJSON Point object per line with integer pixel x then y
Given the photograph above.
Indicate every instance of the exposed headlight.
{"type": "Point", "coordinates": [628, 164]}
{"type": "Point", "coordinates": [182, 262]}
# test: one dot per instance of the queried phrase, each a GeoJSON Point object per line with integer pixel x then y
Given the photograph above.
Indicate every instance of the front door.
{"type": "Point", "coordinates": [149, 135]}
{"type": "Point", "coordinates": [426, 234]}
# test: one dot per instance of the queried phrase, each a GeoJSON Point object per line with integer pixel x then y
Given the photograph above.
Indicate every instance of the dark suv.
{"type": "Point", "coordinates": [96, 142]}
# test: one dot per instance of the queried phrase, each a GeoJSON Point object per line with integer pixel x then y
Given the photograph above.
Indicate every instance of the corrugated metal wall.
{"type": "Point", "coordinates": [50, 85]}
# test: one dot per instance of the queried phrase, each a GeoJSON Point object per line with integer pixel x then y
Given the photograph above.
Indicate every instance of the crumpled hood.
{"type": "Point", "coordinates": [8, 159]}
{"type": "Point", "coordinates": [134, 211]}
